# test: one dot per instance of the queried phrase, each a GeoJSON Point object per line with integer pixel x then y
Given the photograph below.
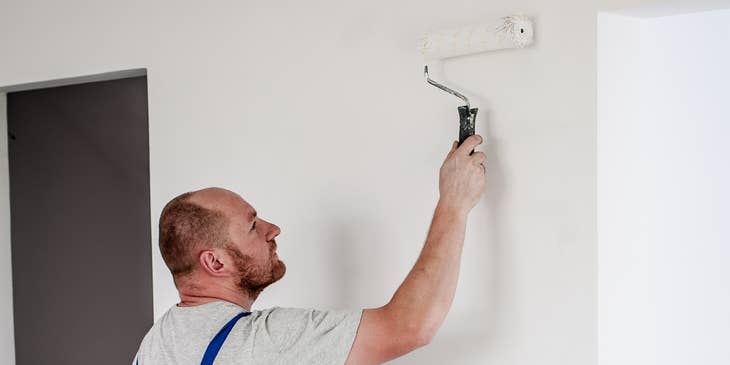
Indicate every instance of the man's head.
{"type": "Point", "coordinates": [213, 237]}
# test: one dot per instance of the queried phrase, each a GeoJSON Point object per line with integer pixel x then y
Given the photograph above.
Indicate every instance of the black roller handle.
{"type": "Point", "coordinates": [466, 123]}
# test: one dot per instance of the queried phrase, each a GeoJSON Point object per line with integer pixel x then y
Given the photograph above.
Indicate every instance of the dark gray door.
{"type": "Point", "coordinates": [80, 222]}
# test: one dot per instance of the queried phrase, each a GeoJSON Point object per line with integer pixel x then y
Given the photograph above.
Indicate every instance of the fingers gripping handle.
{"type": "Point", "coordinates": [467, 119]}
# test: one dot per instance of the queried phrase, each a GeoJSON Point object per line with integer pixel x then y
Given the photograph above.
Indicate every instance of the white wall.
{"type": "Point", "coordinates": [317, 113]}
{"type": "Point", "coordinates": [663, 203]}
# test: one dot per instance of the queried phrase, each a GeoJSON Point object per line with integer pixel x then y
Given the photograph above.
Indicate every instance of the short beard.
{"type": "Point", "coordinates": [253, 279]}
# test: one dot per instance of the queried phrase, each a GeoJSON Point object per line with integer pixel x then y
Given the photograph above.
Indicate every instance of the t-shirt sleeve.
{"type": "Point", "coordinates": [312, 336]}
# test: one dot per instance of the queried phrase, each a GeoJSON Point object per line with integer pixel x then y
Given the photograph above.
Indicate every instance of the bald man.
{"type": "Point", "coordinates": [222, 254]}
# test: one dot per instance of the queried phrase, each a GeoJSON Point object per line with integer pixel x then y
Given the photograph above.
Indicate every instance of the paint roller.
{"type": "Point", "coordinates": [514, 31]}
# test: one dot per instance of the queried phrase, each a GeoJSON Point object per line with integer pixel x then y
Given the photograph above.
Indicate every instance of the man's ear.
{"type": "Point", "coordinates": [212, 262]}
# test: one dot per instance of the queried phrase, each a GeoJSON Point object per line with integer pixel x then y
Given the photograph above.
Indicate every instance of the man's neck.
{"type": "Point", "coordinates": [190, 297]}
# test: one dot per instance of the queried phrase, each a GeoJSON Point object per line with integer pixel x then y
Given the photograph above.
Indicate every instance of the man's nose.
{"type": "Point", "coordinates": [273, 231]}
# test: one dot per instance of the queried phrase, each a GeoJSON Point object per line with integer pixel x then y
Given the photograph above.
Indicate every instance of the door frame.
{"type": "Point", "coordinates": [7, 327]}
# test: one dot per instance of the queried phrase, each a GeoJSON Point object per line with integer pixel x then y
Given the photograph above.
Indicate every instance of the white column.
{"type": "Point", "coordinates": [663, 180]}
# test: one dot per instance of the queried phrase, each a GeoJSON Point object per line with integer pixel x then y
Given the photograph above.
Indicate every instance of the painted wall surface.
{"type": "Point", "coordinates": [662, 189]}
{"type": "Point", "coordinates": [317, 113]}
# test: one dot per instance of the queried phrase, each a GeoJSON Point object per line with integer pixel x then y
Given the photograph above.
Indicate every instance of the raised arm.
{"type": "Point", "coordinates": [419, 306]}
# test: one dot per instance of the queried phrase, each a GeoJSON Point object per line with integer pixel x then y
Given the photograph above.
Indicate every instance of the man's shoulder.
{"type": "Point", "coordinates": [306, 312]}
{"type": "Point", "coordinates": [304, 319]}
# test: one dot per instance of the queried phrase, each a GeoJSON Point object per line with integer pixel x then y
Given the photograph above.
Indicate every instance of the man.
{"type": "Point", "coordinates": [222, 254]}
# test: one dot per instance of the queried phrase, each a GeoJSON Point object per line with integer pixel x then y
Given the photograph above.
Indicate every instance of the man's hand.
{"type": "Point", "coordinates": [462, 179]}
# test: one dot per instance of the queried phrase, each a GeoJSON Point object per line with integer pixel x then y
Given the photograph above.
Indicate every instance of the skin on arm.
{"type": "Point", "coordinates": [419, 306]}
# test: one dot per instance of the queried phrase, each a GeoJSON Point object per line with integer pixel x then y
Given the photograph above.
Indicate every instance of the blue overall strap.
{"type": "Point", "coordinates": [215, 345]}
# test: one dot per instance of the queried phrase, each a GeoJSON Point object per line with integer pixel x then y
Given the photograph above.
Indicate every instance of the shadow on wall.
{"type": "Point", "coordinates": [494, 247]}
{"type": "Point", "coordinates": [475, 331]}
{"type": "Point", "coordinates": [356, 247]}
{"type": "Point", "coordinates": [477, 337]}
{"type": "Point", "coordinates": [346, 247]}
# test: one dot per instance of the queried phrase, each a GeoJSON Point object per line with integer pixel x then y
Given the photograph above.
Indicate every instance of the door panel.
{"type": "Point", "coordinates": [80, 222]}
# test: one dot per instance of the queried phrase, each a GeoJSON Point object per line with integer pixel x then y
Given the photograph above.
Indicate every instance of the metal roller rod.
{"type": "Point", "coordinates": [444, 88]}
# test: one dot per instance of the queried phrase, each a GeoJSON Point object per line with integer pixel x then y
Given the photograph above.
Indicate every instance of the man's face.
{"type": "Point", "coordinates": [253, 247]}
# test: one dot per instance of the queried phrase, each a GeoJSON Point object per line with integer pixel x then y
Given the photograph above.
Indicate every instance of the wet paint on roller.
{"type": "Point", "coordinates": [514, 31]}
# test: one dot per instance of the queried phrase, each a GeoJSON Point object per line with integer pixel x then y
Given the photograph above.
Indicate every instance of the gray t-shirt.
{"type": "Point", "coordinates": [270, 336]}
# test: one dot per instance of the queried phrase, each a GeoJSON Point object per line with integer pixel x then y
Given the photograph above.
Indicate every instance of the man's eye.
{"type": "Point", "coordinates": [253, 226]}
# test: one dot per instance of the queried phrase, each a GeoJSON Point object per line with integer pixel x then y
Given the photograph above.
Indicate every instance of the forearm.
{"type": "Point", "coordinates": [423, 300]}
